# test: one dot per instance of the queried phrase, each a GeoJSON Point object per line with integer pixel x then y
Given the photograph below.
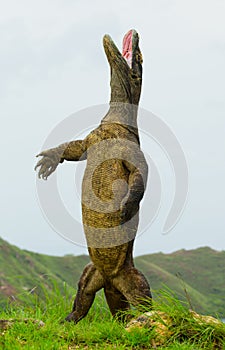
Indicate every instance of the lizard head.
{"type": "Point", "coordinates": [126, 68]}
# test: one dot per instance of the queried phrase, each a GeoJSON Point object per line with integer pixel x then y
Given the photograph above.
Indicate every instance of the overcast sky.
{"type": "Point", "coordinates": [53, 64]}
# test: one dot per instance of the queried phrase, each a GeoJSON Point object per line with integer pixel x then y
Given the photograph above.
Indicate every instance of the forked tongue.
{"type": "Point", "coordinates": [127, 47]}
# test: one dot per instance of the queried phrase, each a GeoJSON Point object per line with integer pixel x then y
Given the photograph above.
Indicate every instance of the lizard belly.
{"type": "Point", "coordinates": [107, 239]}
{"type": "Point", "coordinates": [103, 188]}
{"type": "Point", "coordinates": [109, 261]}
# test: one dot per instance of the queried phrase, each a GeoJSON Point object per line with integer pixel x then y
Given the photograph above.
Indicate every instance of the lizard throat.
{"type": "Point", "coordinates": [128, 47]}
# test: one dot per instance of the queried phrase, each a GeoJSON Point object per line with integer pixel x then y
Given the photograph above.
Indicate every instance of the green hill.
{"type": "Point", "coordinates": [201, 272]}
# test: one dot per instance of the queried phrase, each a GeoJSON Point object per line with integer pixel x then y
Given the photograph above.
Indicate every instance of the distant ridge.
{"type": "Point", "coordinates": [201, 272]}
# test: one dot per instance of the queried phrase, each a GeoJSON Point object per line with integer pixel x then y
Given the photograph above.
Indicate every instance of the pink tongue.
{"type": "Point", "coordinates": [127, 48]}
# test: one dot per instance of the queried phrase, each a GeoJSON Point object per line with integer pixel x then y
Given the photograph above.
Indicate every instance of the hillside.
{"type": "Point", "coordinates": [202, 271]}
{"type": "Point", "coordinates": [24, 273]}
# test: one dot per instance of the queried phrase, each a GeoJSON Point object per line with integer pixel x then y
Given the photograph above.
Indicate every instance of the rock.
{"type": "Point", "coordinates": [164, 325]}
{"type": "Point", "coordinates": [5, 324]}
{"type": "Point", "coordinates": [205, 319]}
{"type": "Point", "coordinates": [157, 320]}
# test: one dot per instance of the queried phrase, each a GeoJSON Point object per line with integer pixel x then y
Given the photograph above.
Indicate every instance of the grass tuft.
{"type": "Point", "coordinates": [99, 331]}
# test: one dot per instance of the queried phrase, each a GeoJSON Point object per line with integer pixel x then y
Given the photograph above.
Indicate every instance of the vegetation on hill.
{"type": "Point", "coordinates": [199, 273]}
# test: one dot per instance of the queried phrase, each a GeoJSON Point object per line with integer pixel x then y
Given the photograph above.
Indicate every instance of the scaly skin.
{"type": "Point", "coordinates": [113, 186]}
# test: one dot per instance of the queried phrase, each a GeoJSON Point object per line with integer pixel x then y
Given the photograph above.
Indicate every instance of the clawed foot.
{"type": "Point", "coordinates": [47, 167]}
{"type": "Point", "coordinates": [49, 162]}
{"type": "Point", "coordinates": [71, 318]}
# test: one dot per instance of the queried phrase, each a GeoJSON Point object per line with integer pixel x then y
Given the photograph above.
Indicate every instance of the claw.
{"type": "Point", "coordinates": [42, 154]}
{"type": "Point", "coordinates": [38, 164]}
{"type": "Point", "coordinates": [48, 163]}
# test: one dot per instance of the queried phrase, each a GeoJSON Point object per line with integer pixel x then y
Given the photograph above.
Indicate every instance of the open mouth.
{"type": "Point", "coordinates": [127, 52]}
{"type": "Point", "coordinates": [129, 49]}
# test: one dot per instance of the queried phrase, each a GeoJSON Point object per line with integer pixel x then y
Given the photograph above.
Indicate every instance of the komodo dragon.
{"type": "Point", "coordinates": [113, 186]}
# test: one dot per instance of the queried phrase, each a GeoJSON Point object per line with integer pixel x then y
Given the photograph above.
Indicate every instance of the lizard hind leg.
{"type": "Point", "coordinates": [90, 282]}
{"type": "Point", "coordinates": [117, 303]}
{"type": "Point", "coordinates": [134, 286]}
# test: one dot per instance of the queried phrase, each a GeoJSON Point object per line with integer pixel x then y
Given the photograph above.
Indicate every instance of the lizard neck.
{"type": "Point", "coordinates": [124, 114]}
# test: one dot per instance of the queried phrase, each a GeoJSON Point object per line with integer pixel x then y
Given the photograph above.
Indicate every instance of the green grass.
{"type": "Point", "coordinates": [98, 330]}
{"type": "Point", "coordinates": [202, 270]}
